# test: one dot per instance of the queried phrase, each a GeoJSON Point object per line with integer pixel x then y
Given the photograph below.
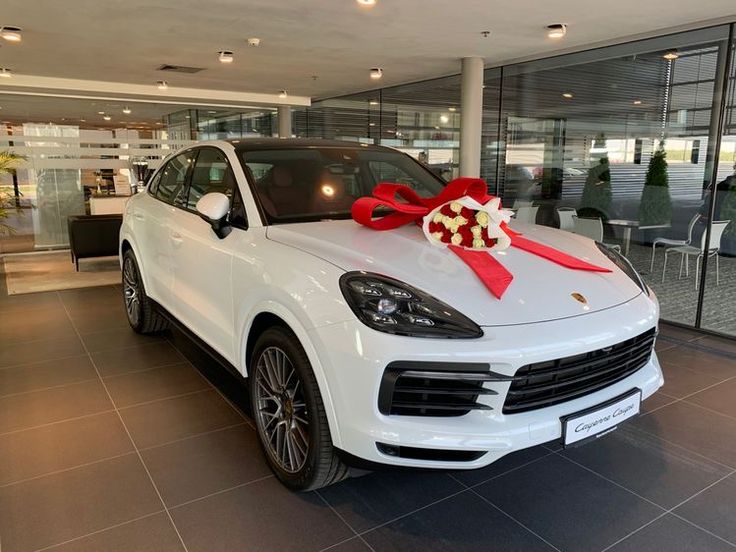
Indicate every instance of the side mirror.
{"type": "Point", "coordinates": [213, 208]}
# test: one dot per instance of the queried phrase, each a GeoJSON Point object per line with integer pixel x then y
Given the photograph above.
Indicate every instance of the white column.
{"type": "Point", "coordinates": [471, 115]}
{"type": "Point", "coordinates": [284, 117]}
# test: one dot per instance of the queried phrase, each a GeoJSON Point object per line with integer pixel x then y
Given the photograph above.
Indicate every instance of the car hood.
{"type": "Point", "coordinates": [541, 290]}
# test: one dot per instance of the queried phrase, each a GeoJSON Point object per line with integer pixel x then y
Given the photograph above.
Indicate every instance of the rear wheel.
{"type": "Point", "coordinates": [289, 414]}
{"type": "Point", "coordinates": [142, 314]}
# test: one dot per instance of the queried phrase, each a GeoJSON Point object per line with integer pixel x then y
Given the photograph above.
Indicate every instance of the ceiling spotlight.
{"type": "Point", "coordinates": [567, 95]}
{"type": "Point", "coordinates": [282, 94]}
{"type": "Point", "coordinates": [366, 3]}
{"type": "Point", "coordinates": [453, 109]}
{"type": "Point", "coordinates": [671, 55]}
{"type": "Point", "coordinates": [212, 112]}
{"type": "Point", "coordinates": [376, 73]}
{"type": "Point", "coordinates": [107, 117]}
{"type": "Point", "coordinates": [637, 102]}
{"type": "Point", "coordinates": [11, 34]}
{"type": "Point", "coordinates": [558, 30]}
{"type": "Point", "coordinates": [225, 56]}
{"type": "Point", "coordinates": [162, 85]}
{"type": "Point", "coordinates": [100, 112]}
{"type": "Point", "coordinates": [254, 42]}
{"type": "Point", "coordinates": [444, 119]}
{"type": "Point", "coordinates": [373, 102]}
{"type": "Point", "coordinates": [127, 110]}
{"type": "Point", "coordinates": [485, 34]}
{"type": "Point", "coordinates": [5, 73]}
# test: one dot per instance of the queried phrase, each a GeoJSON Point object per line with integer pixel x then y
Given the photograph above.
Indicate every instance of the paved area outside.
{"type": "Point", "coordinates": [114, 442]}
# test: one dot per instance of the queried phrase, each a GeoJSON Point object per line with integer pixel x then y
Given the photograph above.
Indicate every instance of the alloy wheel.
{"type": "Point", "coordinates": [131, 291]}
{"type": "Point", "coordinates": [281, 410]}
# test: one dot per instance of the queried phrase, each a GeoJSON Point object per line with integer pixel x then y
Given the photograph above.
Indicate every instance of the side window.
{"type": "Point", "coordinates": [211, 173]}
{"type": "Point", "coordinates": [173, 177]}
{"type": "Point", "coordinates": [154, 182]}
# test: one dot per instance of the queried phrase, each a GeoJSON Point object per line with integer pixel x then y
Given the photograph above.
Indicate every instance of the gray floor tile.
{"type": "Point", "coordinates": [655, 401]}
{"type": "Point", "coordinates": [721, 398]}
{"type": "Point", "coordinates": [52, 405]}
{"type": "Point", "coordinates": [461, 523]}
{"type": "Point", "coordinates": [221, 460]}
{"type": "Point", "coordinates": [59, 507]}
{"type": "Point", "coordinates": [138, 357]}
{"type": "Point", "coordinates": [100, 319]}
{"type": "Point", "coordinates": [693, 428]}
{"type": "Point", "coordinates": [368, 501]}
{"type": "Point", "coordinates": [567, 505]}
{"type": "Point", "coordinates": [40, 375]}
{"type": "Point", "coordinates": [39, 451]}
{"type": "Point", "coordinates": [673, 535]}
{"type": "Point", "coordinates": [659, 471]}
{"type": "Point", "coordinates": [680, 381]}
{"type": "Point", "coordinates": [170, 419]}
{"type": "Point", "coordinates": [714, 509]}
{"type": "Point", "coordinates": [508, 462]}
{"type": "Point", "coordinates": [156, 383]}
{"type": "Point", "coordinates": [112, 340]}
{"type": "Point", "coordinates": [699, 361]}
{"type": "Point", "coordinates": [12, 354]}
{"type": "Point", "coordinates": [36, 324]}
{"type": "Point", "coordinates": [260, 516]}
{"type": "Point", "coordinates": [154, 533]}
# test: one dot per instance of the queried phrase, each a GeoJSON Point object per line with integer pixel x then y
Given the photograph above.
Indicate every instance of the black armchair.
{"type": "Point", "coordinates": [93, 236]}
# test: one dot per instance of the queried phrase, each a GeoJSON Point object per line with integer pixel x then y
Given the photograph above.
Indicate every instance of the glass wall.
{"type": "Point", "coordinates": [617, 143]}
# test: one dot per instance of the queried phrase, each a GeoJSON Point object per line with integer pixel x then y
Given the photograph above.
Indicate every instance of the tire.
{"type": "Point", "coordinates": [141, 313]}
{"type": "Point", "coordinates": [289, 414]}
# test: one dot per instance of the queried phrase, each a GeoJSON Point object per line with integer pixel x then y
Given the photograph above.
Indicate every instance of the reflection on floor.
{"type": "Point", "coordinates": [112, 441]}
{"type": "Point", "coordinates": [678, 297]}
{"type": "Point", "coordinates": [54, 271]}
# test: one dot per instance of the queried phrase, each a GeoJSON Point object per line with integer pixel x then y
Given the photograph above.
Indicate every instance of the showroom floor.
{"type": "Point", "coordinates": [114, 442]}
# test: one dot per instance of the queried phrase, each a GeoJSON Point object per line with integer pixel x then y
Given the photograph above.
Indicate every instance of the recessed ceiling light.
{"type": "Point", "coordinates": [225, 56]}
{"type": "Point", "coordinates": [82, 120]}
{"type": "Point", "coordinates": [568, 95]}
{"type": "Point", "coordinates": [376, 73]}
{"type": "Point", "coordinates": [254, 42]}
{"type": "Point", "coordinates": [100, 112]}
{"type": "Point", "coordinates": [159, 123]}
{"type": "Point", "coordinates": [127, 110]}
{"type": "Point", "coordinates": [453, 109]}
{"type": "Point", "coordinates": [282, 94]}
{"type": "Point", "coordinates": [5, 73]}
{"type": "Point", "coordinates": [373, 102]}
{"type": "Point", "coordinates": [162, 85]}
{"type": "Point", "coordinates": [371, 124]}
{"type": "Point", "coordinates": [671, 56]}
{"type": "Point", "coordinates": [11, 34]}
{"type": "Point", "coordinates": [212, 112]}
{"type": "Point", "coordinates": [637, 102]}
{"type": "Point", "coordinates": [187, 117]}
{"type": "Point", "coordinates": [444, 119]}
{"type": "Point", "coordinates": [556, 30]}
{"type": "Point", "coordinates": [107, 117]}
{"type": "Point", "coordinates": [366, 3]}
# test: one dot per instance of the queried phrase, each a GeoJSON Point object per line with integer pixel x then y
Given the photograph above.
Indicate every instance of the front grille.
{"type": "Point", "coordinates": [548, 383]}
{"type": "Point", "coordinates": [413, 389]}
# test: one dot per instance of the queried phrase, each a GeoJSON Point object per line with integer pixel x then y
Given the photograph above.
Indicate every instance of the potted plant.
{"type": "Point", "coordinates": [8, 160]}
{"type": "Point", "coordinates": [656, 205]}
{"type": "Point", "coordinates": [597, 195]}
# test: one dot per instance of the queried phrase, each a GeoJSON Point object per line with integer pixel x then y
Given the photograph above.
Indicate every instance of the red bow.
{"type": "Point", "coordinates": [414, 208]}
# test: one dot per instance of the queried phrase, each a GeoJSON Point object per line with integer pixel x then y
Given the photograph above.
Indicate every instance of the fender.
{"type": "Point", "coordinates": [246, 321]}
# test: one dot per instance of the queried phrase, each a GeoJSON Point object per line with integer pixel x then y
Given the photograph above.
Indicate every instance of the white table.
{"type": "Point", "coordinates": [107, 205]}
{"type": "Point", "coordinates": [629, 225]}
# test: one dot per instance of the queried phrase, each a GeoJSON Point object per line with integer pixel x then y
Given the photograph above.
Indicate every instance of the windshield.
{"type": "Point", "coordinates": [296, 185]}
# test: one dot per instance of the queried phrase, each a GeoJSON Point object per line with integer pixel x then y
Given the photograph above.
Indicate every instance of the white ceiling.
{"type": "Point", "coordinates": [336, 40]}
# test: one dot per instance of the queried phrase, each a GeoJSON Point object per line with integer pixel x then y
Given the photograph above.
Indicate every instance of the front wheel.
{"type": "Point", "coordinates": [289, 414]}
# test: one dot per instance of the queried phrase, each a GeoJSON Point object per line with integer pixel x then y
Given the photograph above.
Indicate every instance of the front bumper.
{"type": "Point", "coordinates": [353, 358]}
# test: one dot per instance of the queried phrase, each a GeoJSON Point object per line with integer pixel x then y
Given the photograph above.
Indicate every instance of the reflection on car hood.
{"type": "Point", "coordinates": [541, 290]}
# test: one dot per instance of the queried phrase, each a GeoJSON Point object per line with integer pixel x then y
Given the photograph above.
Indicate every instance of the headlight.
{"type": "Point", "coordinates": [623, 263]}
{"type": "Point", "coordinates": [390, 306]}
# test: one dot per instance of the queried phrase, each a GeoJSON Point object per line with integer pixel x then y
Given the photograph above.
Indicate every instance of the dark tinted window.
{"type": "Point", "coordinates": [173, 177]}
{"type": "Point", "coordinates": [311, 184]}
{"type": "Point", "coordinates": [211, 173]}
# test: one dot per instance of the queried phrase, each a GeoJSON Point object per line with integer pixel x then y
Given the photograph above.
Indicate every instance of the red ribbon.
{"type": "Point", "coordinates": [409, 207]}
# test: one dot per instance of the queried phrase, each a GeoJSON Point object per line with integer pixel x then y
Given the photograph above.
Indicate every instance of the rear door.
{"type": "Point", "coordinates": [165, 191]}
{"type": "Point", "coordinates": [202, 262]}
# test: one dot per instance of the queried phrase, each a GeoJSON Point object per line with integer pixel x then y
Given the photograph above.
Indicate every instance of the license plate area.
{"type": "Point", "coordinates": [594, 422]}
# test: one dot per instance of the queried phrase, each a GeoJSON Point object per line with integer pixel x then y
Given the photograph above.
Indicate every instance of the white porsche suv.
{"type": "Point", "coordinates": [379, 347]}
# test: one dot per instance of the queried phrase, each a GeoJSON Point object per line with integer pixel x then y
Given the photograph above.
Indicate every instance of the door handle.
{"type": "Point", "coordinates": [138, 216]}
{"type": "Point", "coordinates": [176, 237]}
